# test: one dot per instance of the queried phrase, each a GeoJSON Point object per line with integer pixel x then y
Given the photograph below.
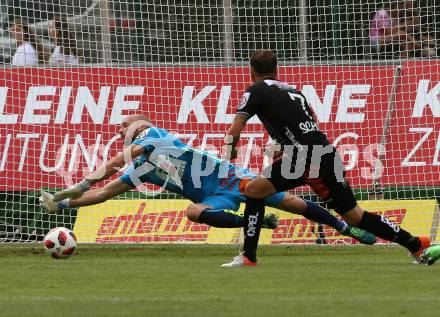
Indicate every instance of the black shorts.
{"type": "Point", "coordinates": [328, 181]}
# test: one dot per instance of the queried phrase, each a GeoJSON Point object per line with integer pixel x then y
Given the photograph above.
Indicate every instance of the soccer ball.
{"type": "Point", "coordinates": [60, 243]}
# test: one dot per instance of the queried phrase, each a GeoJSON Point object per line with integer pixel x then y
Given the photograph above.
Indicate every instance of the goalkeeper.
{"type": "Point", "coordinates": [215, 186]}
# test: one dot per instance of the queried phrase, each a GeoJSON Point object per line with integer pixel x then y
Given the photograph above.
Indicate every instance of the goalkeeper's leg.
{"type": "Point", "coordinates": [224, 216]}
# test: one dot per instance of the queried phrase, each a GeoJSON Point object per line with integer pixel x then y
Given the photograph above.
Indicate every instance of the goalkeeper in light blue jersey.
{"type": "Point", "coordinates": [214, 185]}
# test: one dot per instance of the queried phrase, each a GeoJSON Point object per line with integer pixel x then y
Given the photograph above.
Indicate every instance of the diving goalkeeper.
{"type": "Point", "coordinates": [215, 186]}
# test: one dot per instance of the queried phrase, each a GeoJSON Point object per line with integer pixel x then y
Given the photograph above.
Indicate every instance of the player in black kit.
{"type": "Point", "coordinates": [305, 157]}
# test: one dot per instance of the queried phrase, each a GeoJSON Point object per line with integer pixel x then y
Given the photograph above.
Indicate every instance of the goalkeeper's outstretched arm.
{"type": "Point", "coordinates": [100, 195]}
{"type": "Point", "coordinates": [102, 173]}
{"type": "Point", "coordinates": [115, 164]}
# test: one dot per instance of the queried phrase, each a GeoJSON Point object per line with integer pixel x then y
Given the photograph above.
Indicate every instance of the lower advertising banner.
{"type": "Point", "coordinates": [151, 221]}
{"type": "Point", "coordinates": [164, 221]}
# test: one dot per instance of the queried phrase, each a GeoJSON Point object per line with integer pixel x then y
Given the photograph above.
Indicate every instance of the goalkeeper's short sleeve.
{"type": "Point", "coordinates": [149, 138]}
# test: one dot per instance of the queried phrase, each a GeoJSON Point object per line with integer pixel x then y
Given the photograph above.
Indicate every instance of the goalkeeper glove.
{"type": "Point", "coordinates": [73, 192]}
{"type": "Point", "coordinates": [47, 203]}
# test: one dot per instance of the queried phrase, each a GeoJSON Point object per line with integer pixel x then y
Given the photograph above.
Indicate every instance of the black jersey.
{"type": "Point", "coordinates": [284, 112]}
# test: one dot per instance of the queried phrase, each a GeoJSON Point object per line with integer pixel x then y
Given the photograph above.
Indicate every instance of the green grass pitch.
{"type": "Point", "coordinates": [181, 280]}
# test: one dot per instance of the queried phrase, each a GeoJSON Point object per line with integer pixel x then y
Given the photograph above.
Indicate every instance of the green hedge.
{"type": "Point", "coordinates": [408, 192]}
{"type": "Point", "coordinates": [22, 219]}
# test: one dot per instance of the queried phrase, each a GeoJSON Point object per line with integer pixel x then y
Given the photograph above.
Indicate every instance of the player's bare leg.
{"type": "Point", "coordinates": [259, 188]}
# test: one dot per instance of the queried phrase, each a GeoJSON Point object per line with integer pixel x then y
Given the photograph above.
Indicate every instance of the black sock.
{"type": "Point", "coordinates": [220, 219]}
{"type": "Point", "coordinates": [253, 219]}
{"type": "Point", "coordinates": [385, 229]}
{"type": "Point", "coordinates": [320, 215]}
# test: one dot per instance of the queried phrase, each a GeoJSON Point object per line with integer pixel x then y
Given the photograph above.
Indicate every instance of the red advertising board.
{"type": "Point", "coordinates": [59, 124]}
{"type": "Point", "coordinates": [414, 143]}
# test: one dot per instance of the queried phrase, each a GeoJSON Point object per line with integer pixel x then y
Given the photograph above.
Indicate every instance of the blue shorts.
{"type": "Point", "coordinates": [126, 177]}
